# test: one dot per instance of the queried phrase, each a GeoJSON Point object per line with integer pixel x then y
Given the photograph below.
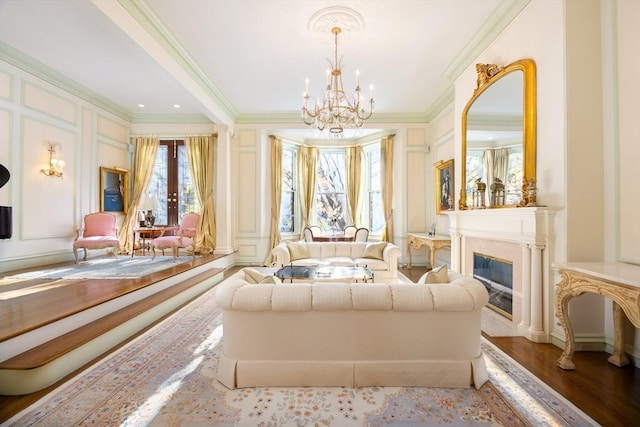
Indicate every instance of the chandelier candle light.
{"type": "Point", "coordinates": [334, 108]}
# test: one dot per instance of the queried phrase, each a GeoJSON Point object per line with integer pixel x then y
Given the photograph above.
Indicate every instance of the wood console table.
{"type": "Point", "coordinates": [616, 280]}
{"type": "Point", "coordinates": [434, 243]}
{"type": "Point", "coordinates": [145, 233]}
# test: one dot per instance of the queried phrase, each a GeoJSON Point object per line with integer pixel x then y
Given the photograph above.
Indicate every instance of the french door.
{"type": "Point", "coordinates": [172, 184]}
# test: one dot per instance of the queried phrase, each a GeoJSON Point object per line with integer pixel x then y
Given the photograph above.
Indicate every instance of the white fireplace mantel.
{"type": "Point", "coordinates": [532, 229]}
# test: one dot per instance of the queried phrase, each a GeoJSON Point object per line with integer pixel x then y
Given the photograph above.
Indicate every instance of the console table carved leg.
{"type": "Point", "coordinates": [562, 310]}
{"type": "Point", "coordinates": [626, 301]}
{"type": "Point", "coordinates": [618, 358]}
{"type": "Point", "coordinates": [409, 242]}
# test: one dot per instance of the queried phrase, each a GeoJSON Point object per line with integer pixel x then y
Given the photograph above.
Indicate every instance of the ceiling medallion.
{"type": "Point", "coordinates": [348, 20]}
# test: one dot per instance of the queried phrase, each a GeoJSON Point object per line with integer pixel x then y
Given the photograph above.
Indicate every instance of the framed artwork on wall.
{"type": "Point", "coordinates": [444, 186]}
{"type": "Point", "coordinates": [114, 190]}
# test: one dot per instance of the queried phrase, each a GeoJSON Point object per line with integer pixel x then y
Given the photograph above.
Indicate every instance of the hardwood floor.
{"type": "Point", "coordinates": [610, 395]}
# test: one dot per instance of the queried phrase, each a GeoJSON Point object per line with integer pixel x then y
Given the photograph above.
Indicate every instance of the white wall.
{"type": "Point", "coordinates": [47, 210]}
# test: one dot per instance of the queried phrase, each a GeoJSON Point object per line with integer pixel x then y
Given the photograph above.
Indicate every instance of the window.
{"type": "Point", "coordinates": [374, 189]}
{"type": "Point", "coordinates": [288, 198]}
{"type": "Point", "coordinates": [331, 199]}
{"type": "Point", "coordinates": [172, 184]}
{"type": "Point", "coordinates": [331, 210]}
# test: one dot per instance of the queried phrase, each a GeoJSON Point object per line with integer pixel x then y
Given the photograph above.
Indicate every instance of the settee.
{"type": "Point", "coordinates": [351, 334]}
{"type": "Point", "coordinates": [381, 258]}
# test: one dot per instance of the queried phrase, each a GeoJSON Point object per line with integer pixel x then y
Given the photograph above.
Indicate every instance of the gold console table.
{"type": "Point", "coordinates": [417, 240]}
{"type": "Point", "coordinates": [616, 280]}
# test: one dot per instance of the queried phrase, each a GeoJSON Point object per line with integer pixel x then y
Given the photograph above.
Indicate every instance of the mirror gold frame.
{"type": "Point", "coordinates": [114, 190]}
{"type": "Point", "coordinates": [488, 74]}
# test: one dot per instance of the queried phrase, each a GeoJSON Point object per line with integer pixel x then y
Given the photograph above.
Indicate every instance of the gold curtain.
{"type": "Point", "coordinates": [144, 159]}
{"type": "Point", "coordinates": [200, 152]}
{"type": "Point", "coordinates": [354, 182]}
{"type": "Point", "coordinates": [386, 174]}
{"type": "Point", "coordinates": [307, 161]}
{"type": "Point", "coordinates": [276, 194]}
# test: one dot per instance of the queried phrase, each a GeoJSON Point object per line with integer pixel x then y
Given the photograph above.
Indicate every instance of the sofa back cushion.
{"type": "Point", "coordinates": [462, 294]}
{"type": "Point", "coordinates": [323, 250]}
{"type": "Point", "coordinates": [298, 250]}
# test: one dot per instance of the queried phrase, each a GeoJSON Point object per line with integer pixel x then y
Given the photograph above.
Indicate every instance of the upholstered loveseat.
{"type": "Point", "coordinates": [351, 334]}
{"type": "Point", "coordinates": [381, 258]}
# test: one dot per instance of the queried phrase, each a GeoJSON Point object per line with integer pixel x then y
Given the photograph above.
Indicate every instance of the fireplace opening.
{"type": "Point", "coordinates": [497, 276]}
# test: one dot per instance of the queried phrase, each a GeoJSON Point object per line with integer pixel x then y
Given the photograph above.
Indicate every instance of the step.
{"type": "Point", "coordinates": [51, 361]}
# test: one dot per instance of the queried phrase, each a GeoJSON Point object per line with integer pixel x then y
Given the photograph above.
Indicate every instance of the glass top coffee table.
{"type": "Point", "coordinates": [300, 272]}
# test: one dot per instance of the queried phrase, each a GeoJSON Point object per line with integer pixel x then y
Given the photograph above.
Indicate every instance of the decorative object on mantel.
{"type": "Point", "coordinates": [334, 108]}
{"type": "Point", "coordinates": [55, 165]}
{"type": "Point", "coordinates": [479, 193]}
{"type": "Point", "coordinates": [529, 193]}
{"type": "Point", "coordinates": [497, 192]}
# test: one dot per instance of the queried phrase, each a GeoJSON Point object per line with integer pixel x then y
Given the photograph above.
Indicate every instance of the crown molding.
{"type": "Point", "coordinates": [444, 100]}
{"type": "Point", "coordinates": [506, 11]}
{"type": "Point", "coordinates": [180, 119]}
{"type": "Point", "coordinates": [41, 71]}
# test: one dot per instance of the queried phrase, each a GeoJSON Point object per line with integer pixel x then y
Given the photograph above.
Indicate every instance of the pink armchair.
{"type": "Point", "coordinates": [99, 232]}
{"type": "Point", "coordinates": [184, 237]}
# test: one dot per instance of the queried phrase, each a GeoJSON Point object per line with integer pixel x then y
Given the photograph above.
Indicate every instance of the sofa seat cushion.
{"type": "Point", "coordinates": [371, 264]}
{"type": "Point", "coordinates": [341, 261]}
{"type": "Point", "coordinates": [309, 262]}
{"type": "Point", "coordinates": [96, 242]}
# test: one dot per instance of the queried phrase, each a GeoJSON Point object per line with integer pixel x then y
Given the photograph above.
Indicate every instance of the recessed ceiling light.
{"type": "Point", "coordinates": [141, 105]}
{"type": "Point", "coordinates": [176, 106]}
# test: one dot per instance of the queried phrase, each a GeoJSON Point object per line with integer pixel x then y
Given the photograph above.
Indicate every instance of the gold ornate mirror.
{"type": "Point", "coordinates": [499, 138]}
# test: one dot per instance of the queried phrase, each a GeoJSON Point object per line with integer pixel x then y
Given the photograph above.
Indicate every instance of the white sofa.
{"type": "Point", "coordinates": [343, 254]}
{"type": "Point", "coordinates": [351, 335]}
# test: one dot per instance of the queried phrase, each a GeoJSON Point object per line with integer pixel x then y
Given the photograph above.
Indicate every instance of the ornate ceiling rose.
{"type": "Point", "coordinates": [348, 20]}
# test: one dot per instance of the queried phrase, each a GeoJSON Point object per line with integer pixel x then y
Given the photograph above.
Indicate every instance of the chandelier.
{"type": "Point", "coordinates": [334, 109]}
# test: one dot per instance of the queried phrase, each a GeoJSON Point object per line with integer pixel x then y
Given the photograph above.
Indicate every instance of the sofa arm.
{"type": "Point", "coordinates": [281, 254]}
{"type": "Point", "coordinates": [390, 255]}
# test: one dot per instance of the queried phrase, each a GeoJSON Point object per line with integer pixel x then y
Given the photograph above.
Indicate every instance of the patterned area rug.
{"type": "Point", "coordinates": [124, 267]}
{"type": "Point", "coordinates": [166, 377]}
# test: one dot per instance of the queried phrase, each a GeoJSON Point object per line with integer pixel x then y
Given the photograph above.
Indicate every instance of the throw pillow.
{"type": "Point", "coordinates": [438, 275]}
{"type": "Point", "coordinates": [297, 250]}
{"type": "Point", "coordinates": [252, 275]}
{"type": "Point", "coordinates": [271, 279]}
{"type": "Point", "coordinates": [374, 250]}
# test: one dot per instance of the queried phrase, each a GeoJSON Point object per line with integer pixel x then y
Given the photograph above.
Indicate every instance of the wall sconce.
{"type": "Point", "coordinates": [55, 165]}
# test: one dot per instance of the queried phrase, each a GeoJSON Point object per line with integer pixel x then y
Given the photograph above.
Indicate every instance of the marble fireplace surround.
{"type": "Point", "coordinates": [523, 236]}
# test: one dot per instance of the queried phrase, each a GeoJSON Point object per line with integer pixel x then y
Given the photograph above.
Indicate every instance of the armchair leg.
{"type": "Point", "coordinates": [175, 253]}
{"type": "Point", "coordinates": [153, 249]}
{"type": "Point", "coordinates": [85, 254]}
{"type": "Point", "coordinates": [75, 254]}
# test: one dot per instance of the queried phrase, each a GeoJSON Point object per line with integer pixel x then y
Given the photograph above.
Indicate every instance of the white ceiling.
{"type": "Point", "coordinates": [246, 61]}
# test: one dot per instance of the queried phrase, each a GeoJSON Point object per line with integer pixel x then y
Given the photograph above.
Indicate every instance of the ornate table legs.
{"type": "Point", "coordinates": [625, 299]}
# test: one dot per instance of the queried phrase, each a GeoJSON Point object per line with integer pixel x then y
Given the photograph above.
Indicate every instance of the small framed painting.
{"type": "Point", "coordinates": [114, 190]}
{"type": "Point", "coordinates": [444, 186]}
